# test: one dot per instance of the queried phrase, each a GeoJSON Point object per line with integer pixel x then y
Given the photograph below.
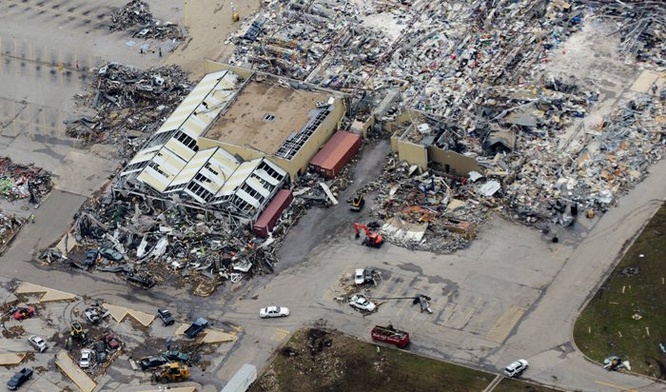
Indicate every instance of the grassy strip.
{"type": "Point", "coordinates": [316, 361]}
{"type": "Point", "coordinates": [627, 316]}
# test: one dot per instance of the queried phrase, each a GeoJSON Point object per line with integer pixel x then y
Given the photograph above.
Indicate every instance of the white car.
{"type": "Point", "coordinates": [358, 301]}
{"type": "Point", "coordinates": [86, 358]}
{"type": "Point", "coordinates": [274, 311]}
{"type": "Point", "coordinates": [516, 368]}
{"type": "Point", "coordinates": [38, 343]}
{"type": "Point", "coordinates": [358, 276]}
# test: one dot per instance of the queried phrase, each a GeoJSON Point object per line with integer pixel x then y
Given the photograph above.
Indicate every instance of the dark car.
{"type": "Point", "coordinates": [91, 257]}
{"type": "Point", "coordinates": [152, 362]}
{"type": "Point", "coordinates": [176, 356]}
{"type": "Point", "coordinates": [19, 378]}
{"type": "Point", "coordinates": [166, 316]}
{"type": "Point", "coordinates": [111, 254]}
{"type": "Point", "coordinates": [368, 276]}
{"type": "Point", "coordinates": [144, 281]}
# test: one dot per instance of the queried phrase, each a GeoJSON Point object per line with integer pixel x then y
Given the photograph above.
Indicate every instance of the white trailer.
{"type": "Point", "coordinates": [242, 380]}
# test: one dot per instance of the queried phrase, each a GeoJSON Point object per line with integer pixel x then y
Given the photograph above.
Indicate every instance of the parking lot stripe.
{"type": "Point", "coordinates": [620, 387]}
{"type": "Point", "coordinates": [453, 309]}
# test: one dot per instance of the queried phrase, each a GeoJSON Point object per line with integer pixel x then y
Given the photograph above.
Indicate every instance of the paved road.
{"type": "Point", "coordinates": [551, 281]}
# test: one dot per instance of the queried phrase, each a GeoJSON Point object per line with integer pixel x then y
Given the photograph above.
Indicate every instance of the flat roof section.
{"type": "Point", "coordinates": [246, 125]}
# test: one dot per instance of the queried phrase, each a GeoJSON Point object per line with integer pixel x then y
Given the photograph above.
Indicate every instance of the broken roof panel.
{"type": "Point", "coordinates": [196, 112]}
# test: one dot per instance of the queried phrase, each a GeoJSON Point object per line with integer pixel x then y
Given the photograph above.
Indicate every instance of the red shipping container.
{"type": "Point", "coordinates": [336, 153]}
{"type": "Point", "coordinates": [267, 219]}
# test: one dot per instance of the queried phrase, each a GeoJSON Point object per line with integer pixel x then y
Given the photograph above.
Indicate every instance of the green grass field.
{"type": "Point", "coordinates": [627, 316]}
{"type": "Point", "coordinates": [316, 361]}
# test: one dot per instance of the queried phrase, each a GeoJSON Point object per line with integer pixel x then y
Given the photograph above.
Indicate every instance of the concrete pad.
{"type": "Point", "coordinates": [142, 317]}
{"type": "Point", "coordinates": [120, 312]}
{"type": "Point", "coordinates": [117, 312]}
{"type": "Point", "coordinates": [644, 82]}
{"type": "Point", "coordinates": [78, 376]}
{"type": "Point", "coordinates": [11, 359]}
{"type": "Point", "coordinates": [50, 295]}
{"type": "Point", "coordinates": [217, 336]}
{"type": "Point", "coordinates": [181, 329]}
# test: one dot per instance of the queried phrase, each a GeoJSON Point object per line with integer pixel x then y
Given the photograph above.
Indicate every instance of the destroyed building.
{"type": "Point", "coordinates": [235, 141]}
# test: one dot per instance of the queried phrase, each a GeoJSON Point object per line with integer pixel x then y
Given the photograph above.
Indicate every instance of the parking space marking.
{"type": "Point", "coordinates": [500, 331]}
{"type": "Point", "coordinates": [280, 334]}
{"type": "Point", "coordinates": [453, 308]}
{"type": "Point", "coordinates": [620, 387]}
{"type": "Point", "coordinates": [487, 309]}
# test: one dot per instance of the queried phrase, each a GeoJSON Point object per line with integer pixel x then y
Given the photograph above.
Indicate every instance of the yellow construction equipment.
{"type": "Point", "coordinates": [235, 16]}
{"type": "Point", "coordinates": [173, 372]}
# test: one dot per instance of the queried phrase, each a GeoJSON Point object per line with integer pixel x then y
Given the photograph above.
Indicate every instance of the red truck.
{"type": "Point", "coordinates": [390, 335]}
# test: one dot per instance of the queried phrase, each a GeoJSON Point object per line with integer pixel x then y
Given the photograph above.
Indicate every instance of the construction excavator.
{"type": "Point", "coordinates": [372, 239]}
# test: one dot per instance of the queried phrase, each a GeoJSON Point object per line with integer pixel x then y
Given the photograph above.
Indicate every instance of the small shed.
{"type": "Point", "coordinates": [267, 219]}
{"type": "Point", "coordinates": [336, 153]}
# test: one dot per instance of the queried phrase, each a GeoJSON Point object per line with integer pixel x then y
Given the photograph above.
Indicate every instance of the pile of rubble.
{"type": "Point", "coordinates": [125, 106]}
{"type": "Point", "coordinates": [641, 26]}
{"type": "Point", "coordinates": [9, 227]}
{"type": "Point", "coordinates": [136, 17]}
{"type": "Point", "coordinates": [23, 181]}
{"type": "Point", "coordinates": [147, 245]}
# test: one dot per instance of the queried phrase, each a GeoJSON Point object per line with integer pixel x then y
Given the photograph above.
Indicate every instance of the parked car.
{"type": "Point", "coordinates": [359, 302]}
{"type": "Point", "coordinates": [91, 257]}
{"type": "Point", "coordinates": [368, 276]}
{"type": "Point", "coordinates": [176, 356]}
{"type": "Point", "coordinates": [196, 327]}
{"type": "Point", "coordinates": [86, 358]}
{"type": "Point", "coordinates": [23, 312]}
{"type": "Point", "coordinates": [166, 316]}
{"type": "Point", "coordinates": [152, 362]}
{"type": "Point", "coordinates": [516, 368]}
{"type": "Point", "coordinates": [100, 351]}
{"type": "Point", "coordinates": [19, 378]}
{"type": "Point", "coordinates": [111, 254]}
{"type": "Point", "coordinates": [274, 311]}
{"type": "Point", "coordinates": [358, 276]}
{"type": "Point", "coordinates": [38, 343]}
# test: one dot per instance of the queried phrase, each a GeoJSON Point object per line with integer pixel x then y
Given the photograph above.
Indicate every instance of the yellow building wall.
{"type": "Point", "coordinates": [458, 164]}
{"type": "Point", "coordinates": [412, 153]}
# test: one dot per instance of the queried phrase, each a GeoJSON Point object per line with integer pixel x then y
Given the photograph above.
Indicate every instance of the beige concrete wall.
{"type": "Point", "coordinates": [458, 164]}
{"type": "Point", "coordinates": [414, 154]}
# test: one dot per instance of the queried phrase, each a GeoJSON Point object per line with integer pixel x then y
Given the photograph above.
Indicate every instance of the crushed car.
{"type": "Point", "coordinates": [24, 312]}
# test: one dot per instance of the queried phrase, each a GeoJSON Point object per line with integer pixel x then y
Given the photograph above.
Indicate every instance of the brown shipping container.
{"type": "Point", "coordinates": [336, 153]}
{"type": "Point", "coordinates": [267, 219]}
